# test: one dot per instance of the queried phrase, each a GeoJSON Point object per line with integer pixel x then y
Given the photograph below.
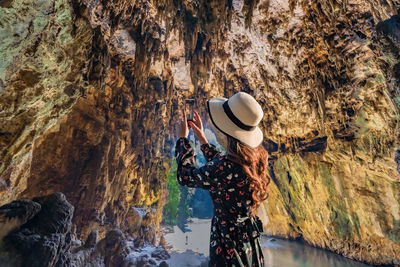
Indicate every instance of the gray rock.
{"type": "Point", "coordinates": [15, 214]}
{"type": "Point", "coordinates": [43, 240]}
{"type": "Point", "coordinates": [114, 248]}
{"type": "Point", "coordinates": [160, 253]}
{"type": "Point", "coordinates": [91, 239]}
{"type": "Point", "coordinates": [163, 264]}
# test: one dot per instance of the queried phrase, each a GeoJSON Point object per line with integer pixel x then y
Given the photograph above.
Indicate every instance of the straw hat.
{"type": "Point", "coordinates": [237, 117]}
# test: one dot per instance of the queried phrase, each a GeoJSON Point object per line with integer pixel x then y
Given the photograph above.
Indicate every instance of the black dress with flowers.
{"type": "Point", "coordinates": [235, 233]}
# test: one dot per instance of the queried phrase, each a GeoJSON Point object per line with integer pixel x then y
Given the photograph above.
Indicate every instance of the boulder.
{"type": "Point", "coordinates": [15, 214]}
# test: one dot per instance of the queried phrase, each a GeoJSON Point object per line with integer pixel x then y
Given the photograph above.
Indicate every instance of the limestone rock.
{"type": "Point", "coordinates": [91, 92]}
{"type": "Point", "coordinates": [141, 225]}
{"type": "Point", "coordinates": [91, 239]}
{"type": "Point", "coordinates": [44, 238]}
{"type": "Point", "coordinates": [114, 248]}
{"type": "Point", "coordinates": [160, 253]}
{"type": "Point", "coordinates": [48, 238]}
{"type": "Point", "coordinates": [15, 214]}
{"type": "Point", "coordinates": [147, 255]}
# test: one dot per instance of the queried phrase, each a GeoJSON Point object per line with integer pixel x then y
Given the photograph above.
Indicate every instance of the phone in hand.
{"type": "Point", "coordinates": [189, 108]}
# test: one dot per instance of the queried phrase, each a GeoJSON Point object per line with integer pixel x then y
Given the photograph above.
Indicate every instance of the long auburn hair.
{"type": "Point", "coordinates": [254, 162]}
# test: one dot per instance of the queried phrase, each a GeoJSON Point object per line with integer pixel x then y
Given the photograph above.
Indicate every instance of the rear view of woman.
{"type": "Point", "coordinates": [237, 181]}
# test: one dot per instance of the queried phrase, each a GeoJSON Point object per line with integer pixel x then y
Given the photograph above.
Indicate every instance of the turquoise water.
{"type": "Point", "coordinates": [282, 252]}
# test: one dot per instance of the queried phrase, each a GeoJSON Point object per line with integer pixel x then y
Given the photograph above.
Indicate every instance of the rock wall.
{"type": "Point", "coordinates": [91, 92]}
{"type": "Point", "coordinates": [70, 121]}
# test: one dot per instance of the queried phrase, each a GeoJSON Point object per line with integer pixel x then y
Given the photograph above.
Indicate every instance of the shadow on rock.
{"type": "Point", "coordinates": [40, 232]}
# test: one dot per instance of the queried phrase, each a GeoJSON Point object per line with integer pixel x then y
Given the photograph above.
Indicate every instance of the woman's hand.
{"type": "Point", "coordinates": [183, 128]}
{"type": "Point", "coordinates": [197, 127]}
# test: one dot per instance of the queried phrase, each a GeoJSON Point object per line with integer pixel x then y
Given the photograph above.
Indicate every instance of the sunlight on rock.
{"type": "Point", "coordinates": [91, 94]}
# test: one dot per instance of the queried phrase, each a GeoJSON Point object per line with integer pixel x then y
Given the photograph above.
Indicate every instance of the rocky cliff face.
{"type": "Point", "coordinates": [91, 92]}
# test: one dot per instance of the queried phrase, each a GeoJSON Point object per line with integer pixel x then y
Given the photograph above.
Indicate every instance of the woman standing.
{"type": "Point", "coordinates": [237, 182]}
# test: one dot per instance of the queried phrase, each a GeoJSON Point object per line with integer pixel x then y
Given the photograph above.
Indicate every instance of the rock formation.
{"type": "Point", "coordinates": [48, 238]}
{"type": "Point", "coordinates": [91, 93]}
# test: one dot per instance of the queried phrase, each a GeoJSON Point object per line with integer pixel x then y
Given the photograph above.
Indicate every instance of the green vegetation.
{"type": "Point", "coordinates": [184, 210]}
{"type": "Point", "coordinates": [177, 210]}
{"type": "Point", "coordinates": [170, 210]}
{"type": "Point", "coordinates": [344, 220]}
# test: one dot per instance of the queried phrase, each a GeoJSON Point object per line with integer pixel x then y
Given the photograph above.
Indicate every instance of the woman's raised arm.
{"type": "Point", "coordinates": [187, 173]}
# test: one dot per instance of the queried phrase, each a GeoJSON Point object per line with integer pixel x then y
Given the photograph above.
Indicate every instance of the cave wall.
{"type": "Point", "coordinates": [91, 92]}
{"type": "Point", "coordinates": [70, 121]}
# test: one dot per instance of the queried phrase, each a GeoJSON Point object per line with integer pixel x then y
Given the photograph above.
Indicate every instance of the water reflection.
{"type": "Point", "coordinates": [196, 236]}
{"type": "Point", "coordinates": [281, 252]}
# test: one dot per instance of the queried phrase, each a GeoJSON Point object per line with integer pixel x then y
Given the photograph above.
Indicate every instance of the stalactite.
{"type": "Point", "coordinates": [98, 103]}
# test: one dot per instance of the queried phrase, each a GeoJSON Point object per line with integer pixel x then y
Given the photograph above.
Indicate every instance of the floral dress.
{"type": "Point", "coordinates": [235, 233]}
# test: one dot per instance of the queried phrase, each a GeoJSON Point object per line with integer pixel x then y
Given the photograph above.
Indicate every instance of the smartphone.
{"type": "Point", "coordinates": [189, 108]}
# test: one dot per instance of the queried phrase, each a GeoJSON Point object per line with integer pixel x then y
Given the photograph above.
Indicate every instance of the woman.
{"type": "Point", "coordinates": [237, 182]}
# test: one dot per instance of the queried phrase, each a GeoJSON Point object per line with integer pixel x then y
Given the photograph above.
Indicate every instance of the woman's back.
{"type": "Point", "coordinates": [235, 235]}
{"type": "Point", "coordinates": [235, 231]}
{"type": "Point", "coordinates": [233, 198]}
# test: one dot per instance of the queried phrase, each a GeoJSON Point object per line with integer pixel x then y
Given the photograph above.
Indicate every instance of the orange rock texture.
{"type": "Point", "coordinates": [91, 93]}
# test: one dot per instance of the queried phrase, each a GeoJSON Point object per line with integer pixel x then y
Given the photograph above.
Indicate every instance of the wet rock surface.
{"type": "Point", "coordinates": [91, 92]}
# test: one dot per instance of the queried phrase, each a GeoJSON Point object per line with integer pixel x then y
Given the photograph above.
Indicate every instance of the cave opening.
{"type": "Point", "coordinates": [187, 212]}
{"type": "Point", "coordinates": [186, 203]}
